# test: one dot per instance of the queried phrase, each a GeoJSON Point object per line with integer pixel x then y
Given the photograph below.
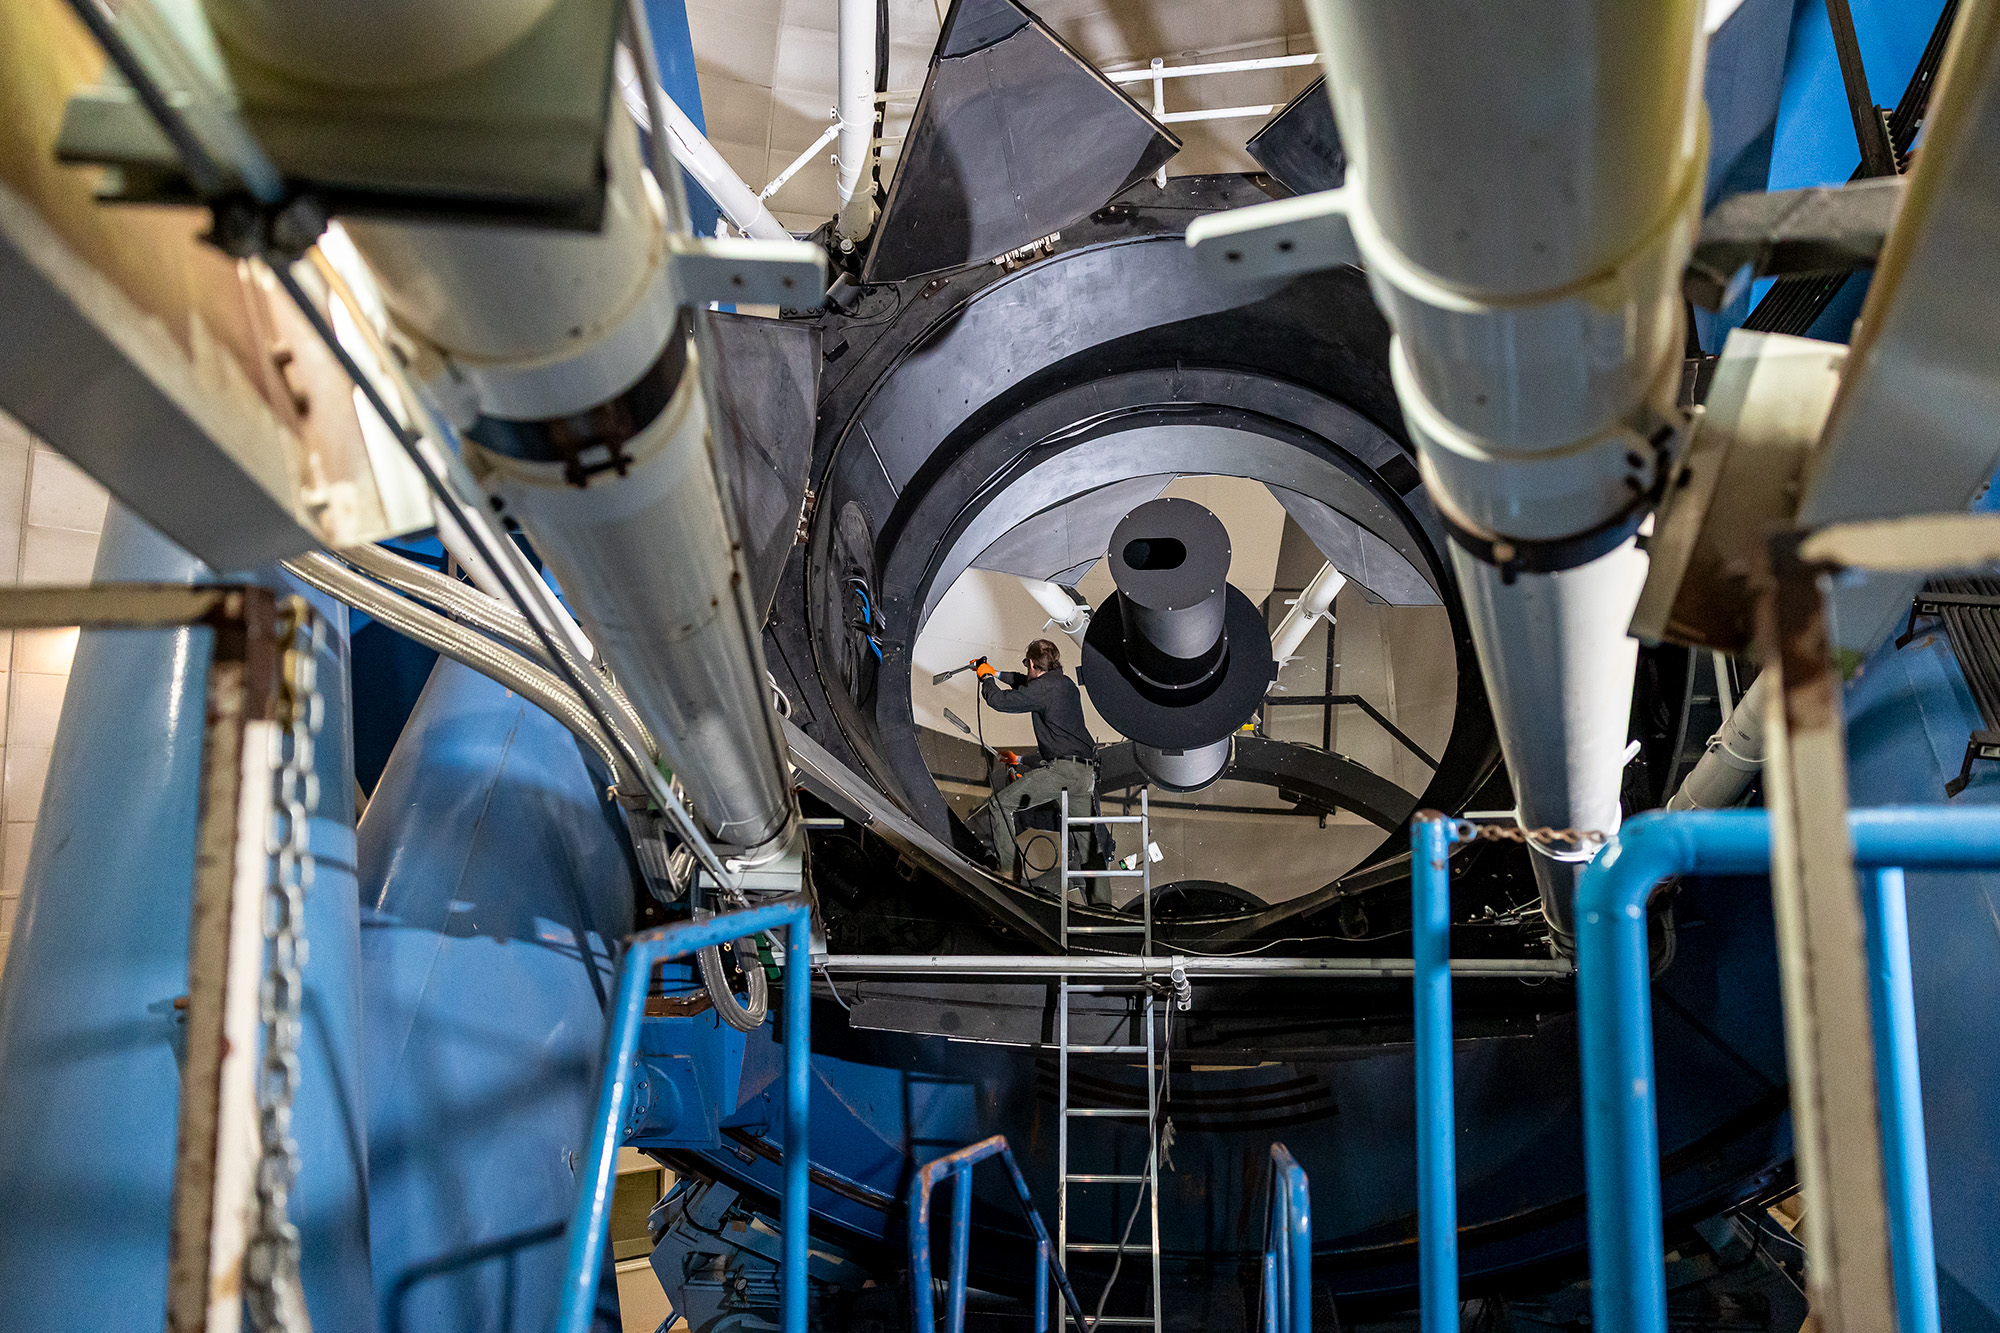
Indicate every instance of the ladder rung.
{"type": "Point", "coordinates": [1109, 819]}
{"type": "Point", "coordinates": [1107, 930]}
{"type": "Point", "coordinates": [1138, 1319]}
{"type": "Point", "coordinates": [1104, 874]}
{"type": "Point", "coordinates": [1094, 988]}
{"type": "Point", "coordinates": [1107, 1050]}
{"type": "Point", "coordinates": [1108, 1247]}
{"type": "Point", "coordinates": [1109, 1110]}
{"type": "Point", "coordinates": [1107, 1180]}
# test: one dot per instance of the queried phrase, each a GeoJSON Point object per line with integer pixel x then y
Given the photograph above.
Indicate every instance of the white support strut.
{"type": "Point", "coordinates": [1316, 601]}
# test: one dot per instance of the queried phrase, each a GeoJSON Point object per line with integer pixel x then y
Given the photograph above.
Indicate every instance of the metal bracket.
{"type": "Point", "coordinates": [1281, 239]}
{"type": "Point", "coordinates": [747, 272]}
{"type": "Point", "coordinates": [1183, 993]}
{"type": "Point", "coordinates": [1737, 479]}
{"type": "Point", "coordinates": [1785, 232]}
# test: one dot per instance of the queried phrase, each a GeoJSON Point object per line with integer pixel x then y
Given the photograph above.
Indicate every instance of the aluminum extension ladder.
{"type": "Point", "coordinates": [1153, 1027]}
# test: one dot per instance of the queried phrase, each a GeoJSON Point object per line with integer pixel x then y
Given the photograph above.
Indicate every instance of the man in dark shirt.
{"type": "Point", "coordinates": [1062, 737]}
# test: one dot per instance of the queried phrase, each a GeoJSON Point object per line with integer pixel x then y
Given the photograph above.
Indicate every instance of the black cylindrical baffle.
{"type": "Point", "coordinates": [1176, 659]}
{"type": "Point", "coordinates": [1170, 560]}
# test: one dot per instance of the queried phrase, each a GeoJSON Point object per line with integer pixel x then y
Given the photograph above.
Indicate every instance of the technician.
{"type": "Point", "coordinates": [1068, 754]}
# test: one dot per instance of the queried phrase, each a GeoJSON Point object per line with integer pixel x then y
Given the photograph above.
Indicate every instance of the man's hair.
{"type": "Point", "coordinates": [1044, 656]}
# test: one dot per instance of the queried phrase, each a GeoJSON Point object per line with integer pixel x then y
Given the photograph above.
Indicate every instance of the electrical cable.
{"type": "Point", "coordinates": [881, 106]}
{"type": "Point", "coordinates": [748, 1014]}
{"type": "Point", "coordinates": [431, 629]}
{"type": "Point", "coordinates": [484, 613]}
{"type": "Point", "coordinates": [666, 172]}
{"type": "Point", "coordinates": [1118, 1262]}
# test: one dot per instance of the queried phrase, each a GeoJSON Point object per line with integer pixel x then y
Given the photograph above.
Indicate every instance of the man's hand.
{"type": "Point", "coordinates": [983, 668]}
{"type": "Point", "coordinates": [1009, 758]}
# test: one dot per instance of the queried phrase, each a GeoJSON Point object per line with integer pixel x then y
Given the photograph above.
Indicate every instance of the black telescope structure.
{"type": "Point", "coordinates": [1176, 659]}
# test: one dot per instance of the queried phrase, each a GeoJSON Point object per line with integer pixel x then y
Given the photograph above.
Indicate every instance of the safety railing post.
{"type": "Point", "coordinates": [1043, 1251]}
{"type": "Point", "coordinates": [1431, 836]}
{"type": "Point", "coordinates": [961, 1243]}
{"type": "Point", "coordinates": [958, 1167]}
{"type": "Point", "coordinates": [1288, 1249]}
{"type": "Point", "coordinates": [796, 1211]}
{"type": "Point", "coordinates": [591, 1217]}
{"type": "Point", "coordinates": [1906, 1171]}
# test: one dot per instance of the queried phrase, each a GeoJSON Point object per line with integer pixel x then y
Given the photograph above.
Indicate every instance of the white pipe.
{"type": "Point", "coordinates": [548, 326]}
{"type": "Point", "coordinates": [856, 96]}
{"type": "Point", "coordinates": [743, 206]}
{"type": "Point", "coordinates": [1316, 601]}
{"type": "Point", "coordinates": [1558, 668]}
{"type": "Point", "coordinates": [1526, 238]}
{"type": "Point", "coordinates": [1166, 71]}
{"type": "Point", "coordinates": [541, 323]}
{"type": "Point", "coordinates": [1733, 759]}
{"type": "Point", "coordinates": [675, 640]}
{"type": "Point", "coordinates": [1063, 611]}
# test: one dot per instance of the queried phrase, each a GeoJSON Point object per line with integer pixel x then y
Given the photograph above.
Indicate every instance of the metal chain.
{"type": "Point", "coordinates": [273, 1290]}
{"type": "Point", "coordinates": [1464, 830]}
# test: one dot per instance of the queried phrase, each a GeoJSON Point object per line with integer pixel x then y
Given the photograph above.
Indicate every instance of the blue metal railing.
{"type": "Point", "coordinates": [1437, 1165]}
{"type": "Point", "coordinates": [1288, 1250]}
{"type": "Point", "coordinates": [958, 1166]}
{"type": "Point", "coordinates": [591, 1218]}
{"type": "Point", "coordinates": [1614, 1006]}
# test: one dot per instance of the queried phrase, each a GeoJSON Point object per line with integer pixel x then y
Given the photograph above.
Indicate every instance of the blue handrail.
{"type": "Point", "coordinates": [1614, 1007]}
{"type": "Point", "coordinates": [1431, 836]}
{"type": "Point", "coordinates": [1288, 1249]}
{"type": "Point", "coordinates": [958, 1166]}
{"type": "Point", "coordinates": [591, 1218]}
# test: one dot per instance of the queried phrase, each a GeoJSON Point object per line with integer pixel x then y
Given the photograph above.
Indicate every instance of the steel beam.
{"type": "Point", "coordinates": [218, 1140]}
{"type": "Point", "coordinates": [1823, 966]}
{"type": "Point", "coordinates": [1192, 965]}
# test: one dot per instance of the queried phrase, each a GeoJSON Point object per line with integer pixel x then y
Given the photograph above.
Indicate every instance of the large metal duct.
{"type": "Point", "coordinates": [593, 432]}
{"type": "Point", "coordinates": [1525, 236]}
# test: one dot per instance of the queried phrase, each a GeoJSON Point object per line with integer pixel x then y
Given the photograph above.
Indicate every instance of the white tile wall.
{"type": "Point", "coordinates": [51, 516]}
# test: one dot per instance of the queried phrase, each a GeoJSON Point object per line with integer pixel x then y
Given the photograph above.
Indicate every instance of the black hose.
{"type": "Point", "coordinates": [881, 86]}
